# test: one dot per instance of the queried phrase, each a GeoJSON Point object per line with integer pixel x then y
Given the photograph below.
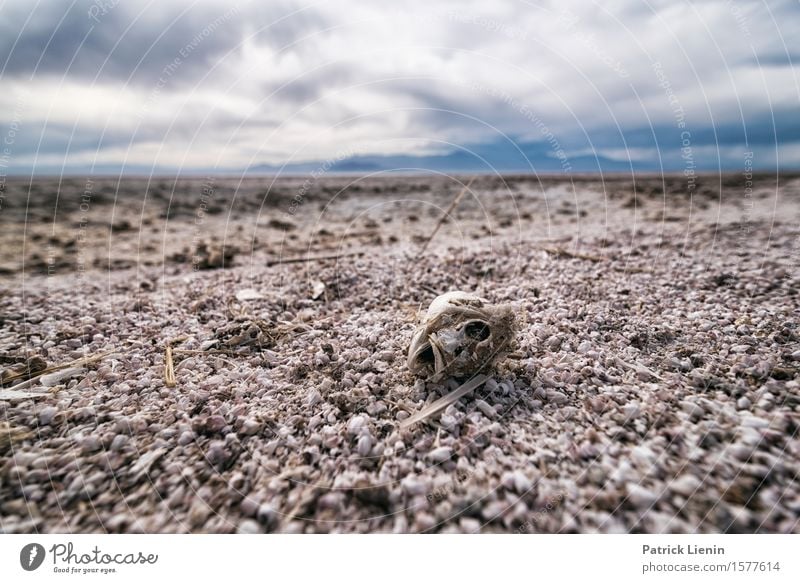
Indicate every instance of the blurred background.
{"type": "Point", "coordinates": [109, 87]}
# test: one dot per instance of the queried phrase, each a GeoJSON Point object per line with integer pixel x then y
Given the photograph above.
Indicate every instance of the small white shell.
{"type": "Point", "coordinates": [460, 335]}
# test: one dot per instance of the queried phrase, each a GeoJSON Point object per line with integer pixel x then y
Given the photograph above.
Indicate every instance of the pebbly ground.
{"type": "Point", "coordinates": [654, 386]}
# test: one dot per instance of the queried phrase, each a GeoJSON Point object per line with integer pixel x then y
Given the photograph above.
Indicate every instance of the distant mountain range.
{"type": "Point", "coordinates": [485, 158]}
{"type": "Point", "coordinates": [506, 156]}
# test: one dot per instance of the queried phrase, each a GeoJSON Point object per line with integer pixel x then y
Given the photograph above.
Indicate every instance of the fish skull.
{"type": "Point", "coordinates": [460, 334]}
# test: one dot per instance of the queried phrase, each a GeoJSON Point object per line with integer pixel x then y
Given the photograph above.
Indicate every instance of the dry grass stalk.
{"type": "Point", "coordinates": [561, 252]}
{"type": "Point", "coordinates": [209, 351]}
{"type": "Point", "coordinates": [638, 368]}
{"type": "Point", "coordinates": [634, 270]}
{"type": "Point", "coordinates": [28, 367]}
{"type": "Point", "coordinates": [430, 290]}
{"type": "Point", "coordinates": [169, 367]}
{"type": "Point", "coordinates": [446, 214]}
{"type": "Point", "coordinates": [79, 363]}
{"type": "Point", "coordinates": [316, 258]}
{"type": "Point", "coordinates": [445, 401]}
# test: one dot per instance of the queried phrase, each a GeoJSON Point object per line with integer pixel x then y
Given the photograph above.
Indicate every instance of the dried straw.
{"type": "Point", "coordinates": [445, 401]}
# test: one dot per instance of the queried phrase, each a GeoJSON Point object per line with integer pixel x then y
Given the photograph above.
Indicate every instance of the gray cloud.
{"type": "Point", "coordinates": [60, 39]}
{"type": "Point", "coordinates": [206, 85]}
{"type": "Point", "coordinates": [134, 40]}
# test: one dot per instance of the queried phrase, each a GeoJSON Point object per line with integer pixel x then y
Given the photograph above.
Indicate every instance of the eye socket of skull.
{"type": "Point", "coordinates": [477, 330]}
{"type": "Point", "coordinates": [426, 356]}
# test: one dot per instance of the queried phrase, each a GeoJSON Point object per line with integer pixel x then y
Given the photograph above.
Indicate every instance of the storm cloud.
{"type": "Point", "coordinates": [171, 86]}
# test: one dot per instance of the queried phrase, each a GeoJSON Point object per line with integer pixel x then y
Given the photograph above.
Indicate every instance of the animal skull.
{"type": "Point", "coordinates": [460, 334]}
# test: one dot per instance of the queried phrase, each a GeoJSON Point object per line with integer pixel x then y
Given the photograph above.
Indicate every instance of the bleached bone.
{"type": "Point", "coordinates": [460, 335]}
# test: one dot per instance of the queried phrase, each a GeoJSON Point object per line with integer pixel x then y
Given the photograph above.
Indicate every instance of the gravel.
{"type": "Point", "coordinates": [654, 385]}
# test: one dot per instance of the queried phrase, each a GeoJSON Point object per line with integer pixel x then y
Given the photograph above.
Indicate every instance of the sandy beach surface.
{"type": "Point", "coordinates": [653, 386]}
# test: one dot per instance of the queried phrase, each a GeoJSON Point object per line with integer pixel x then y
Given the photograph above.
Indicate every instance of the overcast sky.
{"type": "Point", "coordinates": [122, 85]}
